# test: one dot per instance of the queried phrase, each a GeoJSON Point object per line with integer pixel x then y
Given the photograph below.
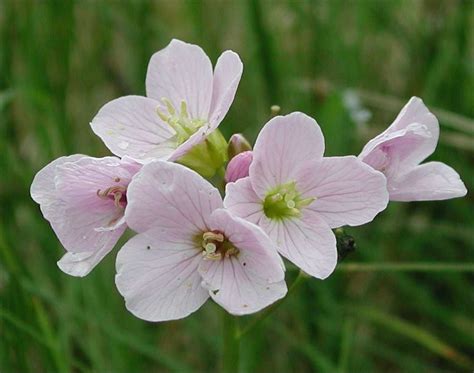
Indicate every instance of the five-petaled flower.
{"type": "Point", "coordinates": [189, 248]}
{"type": "Point", "coordinates": [185, 102]}
{"type": "Point", "coordinates": [297, 196]}
{"type": "Point", "coordinates": [399, 150]}
{"type": "Point", "coordinates": [84, 200]}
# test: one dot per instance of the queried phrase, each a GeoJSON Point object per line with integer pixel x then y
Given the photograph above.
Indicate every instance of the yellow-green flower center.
{"type": "Point", "coordinates": [284, 202]}
{"type": "Point", "coordinates": [179, 120]}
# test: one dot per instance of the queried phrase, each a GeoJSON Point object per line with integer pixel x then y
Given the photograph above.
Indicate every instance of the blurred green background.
{"type": "Point", "coordinates": [350, 64]}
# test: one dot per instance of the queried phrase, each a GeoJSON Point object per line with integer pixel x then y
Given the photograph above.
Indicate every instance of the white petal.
{"type": "Point", "coordinates": [80, 264]}
{"type": "Point", "coordinates": [130, 126]}
{"type": "Point", "coordinates": [414, 121]}
{"type": "Point", "coordinates": [242, 201]}
{"type": "Point", "coordinates": [181, 71]}
{"type": "Point", "coordinates": [429, 182]}
{"type": "Point", "coordinates": [165, 194]}
{"type": "Point", "coordinates": [308, 242]}
{"type": "Point", "coordinates": [227, 74]}
{"type": "Point", "coordinates": [43, 188]}
{"type": "Point", "coordinates": [281, 147]}
{"type": "Point", "coordinates": [346, 190]}
{"type": "Point", "coordinates": [158, 277]}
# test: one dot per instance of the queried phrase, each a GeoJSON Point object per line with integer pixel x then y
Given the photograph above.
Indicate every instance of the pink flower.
{"type": "Point", "coordinates": [84, 199]}
{"type": "Point", "coordinates": [399, 150]}
{"type": "Point", "coordinates": [297, 196]}
{"type": "Point", "coordinates": [238, 167]}
{"type": "Point", "coordinates": [185, 102]}
{"type": "Point", "coordinates": [189, 248]}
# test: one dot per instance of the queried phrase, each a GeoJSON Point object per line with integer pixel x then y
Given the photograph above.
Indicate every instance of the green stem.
{"type": "Point", "coordinates": [231, 344]}
{"type": "Point", "coordinates": [406, 267]}
{"type": "Point", "coordinates": [263, 315]}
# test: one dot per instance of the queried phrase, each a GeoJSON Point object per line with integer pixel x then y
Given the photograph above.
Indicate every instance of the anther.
{"type": "Point", "coordinates": [219, 237]}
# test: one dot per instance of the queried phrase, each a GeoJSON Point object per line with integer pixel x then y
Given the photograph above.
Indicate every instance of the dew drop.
{"type": "Point", "coordinates": [123, 145]}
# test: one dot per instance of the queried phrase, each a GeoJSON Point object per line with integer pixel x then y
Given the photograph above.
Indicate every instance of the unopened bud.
{"type": "Point", "coordinates": [275, 110]}
{"type": "Point", "coordinates": [238, 144]}
{"type": "Point", "coordinates": [238, 167]}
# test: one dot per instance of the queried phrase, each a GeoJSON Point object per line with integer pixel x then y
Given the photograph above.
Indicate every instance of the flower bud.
{"type": "Point", "coordinates": [238, 166]}
{"type": "Point", "coordinates": [238, 144]}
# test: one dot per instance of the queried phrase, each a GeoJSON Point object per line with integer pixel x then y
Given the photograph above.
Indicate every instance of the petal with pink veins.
{"type": "Point", "coordinates": [242, 201]}
{"type": "Point", "coordinates": [87, 225]}
{"type": "Point", "coordinates": [157, 274]}
{"type": "Point", "coordinates": [171, 196]}
{"type": "Point", "coordinates": [249, 281]}
{"type": "Point", "coordinates": [43, 189]}
{"type": "Point", "coordinates": [346, 190]}
{"type": "Point", "coordinates": [227, 74]}
{"type": "Point", "coordinates": [83, 213]}
{"type": "Point", "coordinates": [181, 71]}
{"type": "Point", "coordinates": [283, 144]}
{"type": "Point", "coordinates": [307, 241]}
{"type": "Point", "coordinates": [397, 150]}
{"type": "Point", "coordinates": [130, 126]}
{"type": "Point", "coordinates": [428, 182]}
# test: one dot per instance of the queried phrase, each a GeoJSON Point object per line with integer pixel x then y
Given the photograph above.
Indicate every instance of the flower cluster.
{"type": "Point", "coordinates": [283, 197]}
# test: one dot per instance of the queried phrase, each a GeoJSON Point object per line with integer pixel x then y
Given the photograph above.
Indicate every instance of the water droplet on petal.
{"type": "Point", "coordinates": [123, 145]}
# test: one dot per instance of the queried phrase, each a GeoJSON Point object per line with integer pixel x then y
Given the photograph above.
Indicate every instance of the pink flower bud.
{"type": "Point", "coordinates": [238, 144]}
{"type": "Point", "coordinates": [238, 166]}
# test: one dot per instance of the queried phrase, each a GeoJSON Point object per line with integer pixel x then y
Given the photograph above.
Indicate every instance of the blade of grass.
{"type": "Point", "coordinates": [415, 333]}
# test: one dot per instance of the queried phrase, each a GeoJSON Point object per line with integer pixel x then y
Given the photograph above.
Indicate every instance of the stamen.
{"type": "Point", "coordinates": [219, 237]}
{"type": "Point", "coordinates": [180, 122]}
{"type": "Point", "coordinates": [184, 110]}
{"type": "Point", "coordinates": [169, 105]}
{"type": "Point", "coordinates": [216, 246]}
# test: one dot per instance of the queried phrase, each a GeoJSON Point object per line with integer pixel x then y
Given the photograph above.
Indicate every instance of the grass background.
{"type": "Point", "coordinates": [60, 61]}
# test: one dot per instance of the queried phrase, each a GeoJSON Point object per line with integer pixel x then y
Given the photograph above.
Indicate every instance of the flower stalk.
{"type": "Point", "coordinates": [231, 343]}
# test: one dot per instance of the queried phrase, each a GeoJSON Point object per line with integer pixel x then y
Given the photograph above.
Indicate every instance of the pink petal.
{"type": "Point", "coordinates": [80, 213]}
{"type": "Point", "coordinates": [238, 167]}
{"type": "Point", "coordinates": [281, 147]}
{"type": "Point", "coordinates": [158, 277]}
{"type": "Point", "coordinates": [396, 151]}
{"type": "Point", "coordinates": [242, 201]}
{"type": "Point", "coordinates": [43, 189]}
{"type": "Point", "coordinates": [254, 278]}
{"type": "Point", "coordinates": [414, 119]}
{"type": "Point", "coordinates": [171, 196]}
{"type": "Point", "coordinates": [308, 242]}
{"type": "Point", "coordinates": [80, 264]}
{"type": "Point", "coordinates": [347, 191]}
{"type": "Point", "coordinates": [130, 126]}
{"type": "Point", "coordinates": [429, 182]}
{"type": "Point", "coordinates": [181, 71]}
{"type": "Point", "coordinates": [227, 74]}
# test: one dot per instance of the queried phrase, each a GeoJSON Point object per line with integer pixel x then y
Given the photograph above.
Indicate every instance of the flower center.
{"type": "Point", "coordinates": [216, 246]}
{"type": "Point", "coordinates": [118, 194]}
{"type": "Point", "coordinates": [284, 202]}
{"type": "Point", "coordinates": [179, 120]}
